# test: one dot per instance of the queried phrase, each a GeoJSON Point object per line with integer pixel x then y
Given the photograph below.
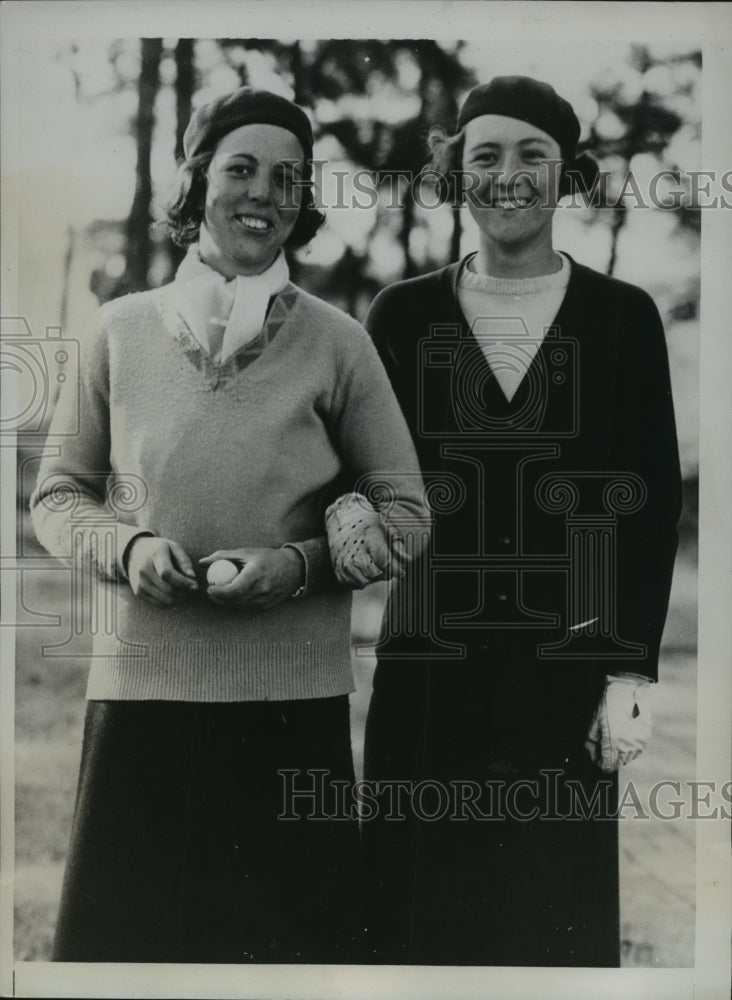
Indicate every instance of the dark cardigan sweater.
{"type": "Point", "coordinates": [584, 457]}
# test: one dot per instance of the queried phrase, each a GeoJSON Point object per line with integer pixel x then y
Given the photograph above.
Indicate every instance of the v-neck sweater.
{"type": "Point", "coordinates": [243, 454]}
{"type": "Point", "coordinates": [509, 318]}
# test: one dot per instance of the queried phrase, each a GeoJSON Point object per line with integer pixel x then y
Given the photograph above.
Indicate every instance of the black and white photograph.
{"type": "Point", "coordinates": [365, 529]}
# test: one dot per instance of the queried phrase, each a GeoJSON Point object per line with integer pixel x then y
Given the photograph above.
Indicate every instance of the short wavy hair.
{"type": "Point", "coordinates": [445, 158]}
{"type": "Point", "coordinates": [446, 151]}
{"type": "Point", "coordinates": [184, 212]}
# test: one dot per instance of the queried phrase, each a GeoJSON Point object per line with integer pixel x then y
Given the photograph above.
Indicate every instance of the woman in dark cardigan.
{"type": "Point", "coordinates": [513, 670]}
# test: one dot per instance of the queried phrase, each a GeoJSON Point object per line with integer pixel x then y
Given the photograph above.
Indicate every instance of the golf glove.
{"type": "Point", "coordinates": [363, 548]}
{"type": "Point", "coordinates": [621, 726]}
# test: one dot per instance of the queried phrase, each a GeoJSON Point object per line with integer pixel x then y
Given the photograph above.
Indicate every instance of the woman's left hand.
{"type": "Point", "coordinates": [621, 726]}
{"type": "Point", "coordinates": [267, 577]}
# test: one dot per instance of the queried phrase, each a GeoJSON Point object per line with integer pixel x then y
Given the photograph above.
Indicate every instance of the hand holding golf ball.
{"type": "Point", "coordinates": [221, 572]}
{"type": "Point", "coordinates": [257, 578]}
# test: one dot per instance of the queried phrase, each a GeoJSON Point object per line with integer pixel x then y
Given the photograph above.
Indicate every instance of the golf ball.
{"type": "Point", "coordinates": [221, 572]}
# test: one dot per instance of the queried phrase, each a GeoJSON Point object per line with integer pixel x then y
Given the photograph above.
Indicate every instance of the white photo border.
{"type": "Point", "coordinates": [710, 24]}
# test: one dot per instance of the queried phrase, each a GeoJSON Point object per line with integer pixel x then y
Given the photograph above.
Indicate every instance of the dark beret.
{"type": "Point", "coordinates": [245, 106]}
{"type": "Point", "coordinates": [528, 100]}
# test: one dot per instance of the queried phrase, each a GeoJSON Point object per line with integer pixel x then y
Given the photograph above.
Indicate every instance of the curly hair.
{"type": "Point", "coordinates": [446, 157]}
{"type": "Point", "coordinates": [446, 151]}
{"type": "Point", "coordinates": [184, 212]}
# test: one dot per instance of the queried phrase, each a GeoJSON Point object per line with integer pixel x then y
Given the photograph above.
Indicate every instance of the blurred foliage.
{"type": "Point", "coordinates": [372, 104]}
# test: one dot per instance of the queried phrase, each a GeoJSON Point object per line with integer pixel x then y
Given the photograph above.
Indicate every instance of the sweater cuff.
{"type": "Point", "coordinates": [126, 535]}
{"type": "Point", "coordinates": [319, 575]}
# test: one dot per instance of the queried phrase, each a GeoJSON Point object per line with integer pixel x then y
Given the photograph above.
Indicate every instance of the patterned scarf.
{"type": "Point", "coordinates": [225, 313]}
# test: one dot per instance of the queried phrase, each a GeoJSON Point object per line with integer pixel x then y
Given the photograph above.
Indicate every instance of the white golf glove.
{"type": "Point", "coordinates": [362, 547]}
{"type": "Point", "coordinates": [621, 726]}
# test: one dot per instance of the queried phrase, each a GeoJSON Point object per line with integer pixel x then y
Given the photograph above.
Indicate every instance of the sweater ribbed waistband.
{"type": "Point", "coordinates": [213, 672]}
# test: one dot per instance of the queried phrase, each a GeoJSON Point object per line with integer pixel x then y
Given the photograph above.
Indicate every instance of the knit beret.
{"type": "Point", "coordinates": [528, 100]}
{"type": "Point", "coordinates": [245, 106]}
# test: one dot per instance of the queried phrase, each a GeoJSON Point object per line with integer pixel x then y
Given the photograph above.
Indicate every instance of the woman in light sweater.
{"type": "Point", "coordinates": [519, 650]}
{"type": "Point", "coordinates": [219, 416]}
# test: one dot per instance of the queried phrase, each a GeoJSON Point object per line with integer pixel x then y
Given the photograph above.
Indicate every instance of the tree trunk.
{"type": "Point", "coordinates": [299, 75]}
{"type": "Point", "coordinates": [615, 227]}
{"type": "Point", "coordinates": [184, 87]}
{"type": "Point", "coordinates": [68, 259]}
{"type": "Point", "coordinates": [406, 231]}
{"type": "Point", "coordinates": [138, 223]}
{"type": "Point", "coordinates": [457, 232]}
{"type": "Point", "coordinates": [184, 78]}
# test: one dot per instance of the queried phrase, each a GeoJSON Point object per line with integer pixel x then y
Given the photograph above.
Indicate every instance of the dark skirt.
{"type": "Point", "coordinates": [178, 849]}
{"type": "Point", "coordinates": [508, 855]}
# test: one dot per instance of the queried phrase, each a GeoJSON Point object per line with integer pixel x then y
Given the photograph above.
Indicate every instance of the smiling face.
{"type": "Point", "coordinates": [251, 205]}
{"type": "Point", "coordinates": [514, 191]}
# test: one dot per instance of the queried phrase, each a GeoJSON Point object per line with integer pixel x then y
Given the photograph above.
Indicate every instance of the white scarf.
{"type": "Point", "coordinates": [225, 313]}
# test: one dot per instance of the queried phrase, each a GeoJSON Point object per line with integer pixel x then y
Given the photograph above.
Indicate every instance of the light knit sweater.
{"type": "Point", "coordinates": [214, 456]}
{"type": "Point", "coordinates": [509, 317]}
